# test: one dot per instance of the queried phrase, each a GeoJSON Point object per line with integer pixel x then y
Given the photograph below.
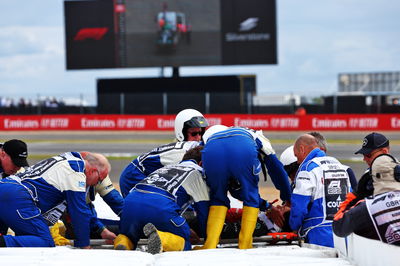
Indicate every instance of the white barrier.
{"type": "Point", "coordinates": [367, 252]}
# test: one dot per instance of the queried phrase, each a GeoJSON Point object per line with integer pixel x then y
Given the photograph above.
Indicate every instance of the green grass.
{"type": "Point", "coordinates": [67, 141]}
{"type": "Point", "coordinates": [39, 157]}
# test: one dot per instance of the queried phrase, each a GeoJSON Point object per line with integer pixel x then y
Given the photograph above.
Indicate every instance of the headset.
{"type": "Point", "coordinates": [396, 170]}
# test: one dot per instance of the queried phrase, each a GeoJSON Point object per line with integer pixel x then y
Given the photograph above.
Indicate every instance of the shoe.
{"type": "Point", "coordinates": [154, 245]}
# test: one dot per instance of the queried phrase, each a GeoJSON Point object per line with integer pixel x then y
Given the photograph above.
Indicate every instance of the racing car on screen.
{"type": "Point", "coordinates": [172, 27]}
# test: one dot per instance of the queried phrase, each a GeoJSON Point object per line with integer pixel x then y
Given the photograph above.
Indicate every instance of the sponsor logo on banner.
{"type": "Point", "coordinates": [21, 124]}
{"type": "Point", "coordinates": [54, 123]}
{"type": "Point", "coordinates": [165, 123]}
{"type": "Point", "coordinates": [251, 123]}
{"type": "Point", "coordinates": [366, 123]}
{"type": "Point", "coordinates": [395, 122]}
{"type": "Point", "coordinates": [131, 123]}
{"type": "Point", "coordinates": [214, 121]}
{"type": "Point", "coordinates": [285, 123]}
{"type": "Point", "coordinates": [328, 123]}
{"type": "Point", "coordinates": [97, 123]}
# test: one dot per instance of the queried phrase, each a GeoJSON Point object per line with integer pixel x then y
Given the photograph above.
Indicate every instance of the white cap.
{"type": "Point", "coordinates": [212, 130]}
{"type": "Point", "coordinates": [287, 156]}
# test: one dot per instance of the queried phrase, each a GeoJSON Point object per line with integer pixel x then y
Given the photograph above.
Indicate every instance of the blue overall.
{"type": "Point", "coordinates": [159, 208]}
{"type": "Point", "coordinates": [23, 217]}
{"type": "Point", "coordinates": [232, 154]}
{"type": "Point", "coordinates": [40, 188]}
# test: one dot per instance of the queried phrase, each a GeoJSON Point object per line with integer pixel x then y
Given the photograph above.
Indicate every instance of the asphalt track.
{"type": "Point", "coordinates": [122, 146]}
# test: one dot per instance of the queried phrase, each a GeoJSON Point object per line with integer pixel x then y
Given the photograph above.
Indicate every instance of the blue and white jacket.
{"type": "Point", "coordinates": [184, 184]}
{"type": "Point", "coordinates": [171, 153]}
{"type": "Point", "coordinates": [321, 184]}
{"type": "Point", "coordinates": [60, 178]}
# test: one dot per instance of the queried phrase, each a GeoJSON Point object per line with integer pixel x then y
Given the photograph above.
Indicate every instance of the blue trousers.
{"type": "Point", "coordinates": [141, 208]}
{"type": "Point", "coordinates": [233, 157]}
{"type": "Point", "coordinates": [19, 212]}
{"type": "Point", "coordinates": [129, 178]}
{"type": "Point", "coordinates": [322, 236]}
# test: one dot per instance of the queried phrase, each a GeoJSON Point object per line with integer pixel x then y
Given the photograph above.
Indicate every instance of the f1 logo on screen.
{"type": "Point", "coordinates": [90, 33]}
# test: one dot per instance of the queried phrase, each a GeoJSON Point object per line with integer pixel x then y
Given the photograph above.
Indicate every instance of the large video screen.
{"type": "Point", "coordinates": [153, 33]}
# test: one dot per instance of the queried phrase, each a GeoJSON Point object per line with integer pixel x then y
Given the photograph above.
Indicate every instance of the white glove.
{"type": "Point", "coordinates": [266, 144]}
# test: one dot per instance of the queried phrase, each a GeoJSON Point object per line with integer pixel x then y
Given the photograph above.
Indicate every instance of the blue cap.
{"type": "Point", "coordinates": [372, 142]}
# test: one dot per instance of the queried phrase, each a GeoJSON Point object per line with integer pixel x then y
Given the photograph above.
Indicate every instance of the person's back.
{"type": "Point", "coordinates": [147, 163]}
{"type": "Point", "coordinates": [161, 199]}
{"type": "Point", "coordinates": [321, 184]}
{"type": "Point", "coordinates": [233, 158]}
{"type": "Point", "coordinates": [45, 185]}
{"type": "Point", "coordinates": [57, 179]}
{"type": "Point", "coordinates": [376, 217]}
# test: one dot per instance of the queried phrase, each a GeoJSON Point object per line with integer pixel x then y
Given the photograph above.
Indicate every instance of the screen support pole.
{"type": "Point", "coordinates": [162, 72]}
{"type": "Point", "coordinates": [175, 72]}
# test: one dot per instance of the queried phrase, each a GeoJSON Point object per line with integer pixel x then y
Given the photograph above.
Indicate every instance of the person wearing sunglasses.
{"type": "Point", "coordinates": [190, 125]}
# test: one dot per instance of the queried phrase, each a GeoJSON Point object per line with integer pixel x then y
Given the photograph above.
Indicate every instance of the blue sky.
{"type": "Point", "coordinates": [316, 41]}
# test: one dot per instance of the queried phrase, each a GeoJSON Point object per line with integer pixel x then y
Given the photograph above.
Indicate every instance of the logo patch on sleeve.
{"type": "Point", "coordinates": [82, 184]}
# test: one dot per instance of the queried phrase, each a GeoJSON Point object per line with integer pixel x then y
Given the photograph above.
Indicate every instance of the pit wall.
{"type": "Point", "coordinates": [342, 122]}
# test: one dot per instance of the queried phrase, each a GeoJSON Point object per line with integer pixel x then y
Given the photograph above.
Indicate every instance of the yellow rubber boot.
{"type": "Point", "coordinates": [249, 220]}
{"type": "Point", "coordinates": [215, 223]}
{"type": "Point", "coordinates": [159, 241]}
{"type": "Point", "coordinates": [59, 240]}
{"type": "Point", "coordinates": [122, 242]}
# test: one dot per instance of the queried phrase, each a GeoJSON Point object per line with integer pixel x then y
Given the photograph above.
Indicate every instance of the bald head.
{"type": "Point", "coordinates": [97, 167]}
{"type": "Point", "coordinates": [303, 146]}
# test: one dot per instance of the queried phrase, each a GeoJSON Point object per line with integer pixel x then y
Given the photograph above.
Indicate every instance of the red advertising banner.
{"type": "Point", "coordinates": [328, 122]}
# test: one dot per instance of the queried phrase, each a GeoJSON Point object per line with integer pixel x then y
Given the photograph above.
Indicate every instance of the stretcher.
{"type": "Point", "coordinates": [283, 238]}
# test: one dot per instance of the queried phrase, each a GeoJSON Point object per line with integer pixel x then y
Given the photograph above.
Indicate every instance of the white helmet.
{"type": "Point", "coordinates": [212, 130]}
{"type": "Point", "coordinates": [287, 156]}
{"type": "Point", "coordinates": [188, 118]}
